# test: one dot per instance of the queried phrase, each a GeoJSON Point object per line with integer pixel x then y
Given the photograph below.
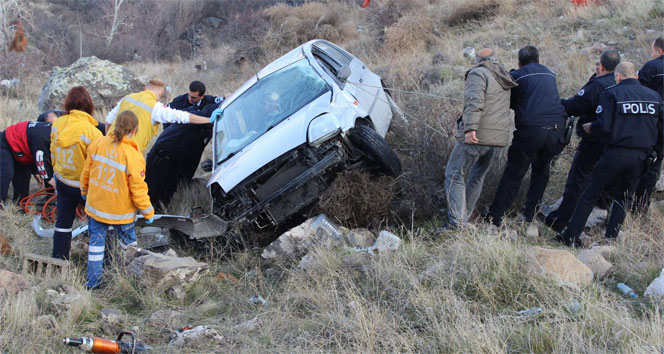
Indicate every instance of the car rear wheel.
{"type": "Point", "coordinates": [376, 148]}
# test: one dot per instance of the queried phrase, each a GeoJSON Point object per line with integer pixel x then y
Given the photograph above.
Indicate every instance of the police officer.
{"type": "Point", "coordinates": [175, 155]}
{"type": "Point", "coordinates": [651, 75]}
{"type": "Point", "coordinates": [629, 119]}
{"type": "Point", "coordinates": [590, 148]}
{"type": "Point", "coordinates": [195, 100]}
{"type": "Point", "coordinates": [540, 133]}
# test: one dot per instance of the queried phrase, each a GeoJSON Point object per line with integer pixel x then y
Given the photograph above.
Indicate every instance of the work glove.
{"type": "Point", "coordinates": [216, 114]}
{"type": "Point", "coordinates": [150, 220]}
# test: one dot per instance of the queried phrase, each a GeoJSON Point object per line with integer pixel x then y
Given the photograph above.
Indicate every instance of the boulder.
{"type": "Point", "coordinates": [165, 318]}
{"type": "Point", "coordinates": [532, 231]}
{"type": "Point", "coordinates": [199, 335]}
{"type": "Point", "coordinates": [560, 265]}
{"type": "Point", "coordinates": [656, 287]}
{"type": "Point", "coordinates": [155, 270]}
{"type": "Point", "coordinates": [12, 283]}
{"type": "Point", "coordinates": [296, 242]}
{"type": "Point", "coordinates": [360, 238]}
{"type": "Point", "coordinates": [107, 83]}
{"type": "Point", "coordinates": [594, 259]}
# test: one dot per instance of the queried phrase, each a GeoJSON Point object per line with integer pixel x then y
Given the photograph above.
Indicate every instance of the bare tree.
{"type": "Point", "coordinates": [117, 22]}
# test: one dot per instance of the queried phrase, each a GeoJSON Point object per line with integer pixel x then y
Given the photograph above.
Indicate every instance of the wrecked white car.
{"type": "Point", "coordinates": [290, 129]}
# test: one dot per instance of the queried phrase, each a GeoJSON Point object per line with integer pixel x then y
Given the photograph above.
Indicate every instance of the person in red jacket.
{"type": "Point", "coordinates": [24, 148]}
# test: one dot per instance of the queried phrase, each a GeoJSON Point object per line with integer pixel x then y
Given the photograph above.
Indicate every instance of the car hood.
{"type": "Point", "coordinates": [287, 135]}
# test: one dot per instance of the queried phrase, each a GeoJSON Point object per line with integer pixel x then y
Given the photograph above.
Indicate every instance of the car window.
{"type": "Point", "coordinates": [330, 56]}
{"type": "Point", "coordinates": [265, 104]}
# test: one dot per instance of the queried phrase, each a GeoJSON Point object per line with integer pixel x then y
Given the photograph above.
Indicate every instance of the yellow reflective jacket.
{"type": "Point", "coordinates": [70, 136]}
{"type": "Point", "coordinates": [141, 104]}
{"type": "Point", "coordinates": [114, 182]}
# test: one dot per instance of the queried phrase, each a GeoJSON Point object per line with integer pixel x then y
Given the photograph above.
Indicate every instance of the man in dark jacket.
{"type": "Point", "coordinates": [482, 135]}
{"type": "Point", "coordinates": [651, 75]}
{"type": "Point", "coordinates": [24, 148]}
{"type": "Point", "coordinates": [540, 135]}
{"type": "Point", "coordinates": [630, 121]}
{"type": "Point", "coordinates": [583, 105]}
{"type": "Point", "coordinates": [175, 156]}
{"type": "Point", "coordinates": [195, 100]}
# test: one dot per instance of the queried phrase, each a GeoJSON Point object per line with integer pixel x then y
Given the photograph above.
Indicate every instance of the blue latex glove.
{"type": "Point", "coordinates": [150, 220]}
{"type": "Point", "coordinates": [216, 114]}
{"type": "Point", "coordinates": [84, 196]}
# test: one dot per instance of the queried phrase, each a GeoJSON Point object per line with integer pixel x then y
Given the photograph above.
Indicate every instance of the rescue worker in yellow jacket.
{"type": "Point", "coordinates": [113, 185]}
{"type": "Point", "coordinates": [70, 136]}
{"type": "Point", "coordinates": [145, 105]}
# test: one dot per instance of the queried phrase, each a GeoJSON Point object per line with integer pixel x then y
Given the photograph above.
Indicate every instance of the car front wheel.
{"type": "Point", "coordinates": [376, 148]}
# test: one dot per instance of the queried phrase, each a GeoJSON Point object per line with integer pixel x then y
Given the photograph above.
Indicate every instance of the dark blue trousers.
{"type": "Point", "coordinates": [12, 172]}
{"type": "Point", "coordinates": [585, 159]}
{"type": "Point", "coordinates": [620, 167]}
{"type": "Point", "coordinates": [646, 187]}
{"type": "Point", "coordinates": [532, 147]}
{"type": "Point", "coordinates": [68, 198]}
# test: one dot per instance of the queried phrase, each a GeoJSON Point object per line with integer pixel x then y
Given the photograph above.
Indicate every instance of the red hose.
{"type": "Point", "coordinates": [49, 208]}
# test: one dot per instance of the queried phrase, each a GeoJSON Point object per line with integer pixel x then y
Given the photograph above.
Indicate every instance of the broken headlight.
{"type": "Point", "coordinates": [323, 128]}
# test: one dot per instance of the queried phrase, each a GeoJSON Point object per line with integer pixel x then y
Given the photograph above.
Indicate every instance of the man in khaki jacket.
{"type": "Point", "coordinates": [483, 132]}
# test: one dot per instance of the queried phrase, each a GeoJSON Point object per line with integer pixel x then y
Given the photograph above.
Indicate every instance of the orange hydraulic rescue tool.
{"type": "Point", "coordinates": [106, 346]}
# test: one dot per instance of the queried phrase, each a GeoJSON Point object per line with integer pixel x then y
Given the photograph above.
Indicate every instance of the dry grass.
{"type": "Point", "coordinates": [357, 303]}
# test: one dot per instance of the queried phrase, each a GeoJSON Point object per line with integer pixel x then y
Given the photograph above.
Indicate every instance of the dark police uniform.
{"type": "Point", "coordinates": [24, 148]}
{"type": "Point", "coordinates": [182, 103]}
{"type": "Point", "coordinates": [175, 155]}
{"type": "Point", "coordinates": [651, 75]}
{"type": "Point", "coordinates": [540, 132]}
{"type": "Point", "coordinates": [581, 105]}
{"type": "Point", "coordinates": [629, 119]}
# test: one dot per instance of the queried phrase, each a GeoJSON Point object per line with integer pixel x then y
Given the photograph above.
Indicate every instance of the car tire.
{"type": "Point", "coordinates": [376, 148]}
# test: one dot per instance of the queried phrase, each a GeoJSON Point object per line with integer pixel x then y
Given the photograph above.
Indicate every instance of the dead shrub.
{"type": "Point", "coordinates": [358, 199]}
{"type": "Point", "coordinates": [464, 11]}
{"type": "Point", "coordinates": [409, 34]}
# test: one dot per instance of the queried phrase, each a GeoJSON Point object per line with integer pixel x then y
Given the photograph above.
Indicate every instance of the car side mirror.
{"type": "Point", "coordinates": [344, 73]}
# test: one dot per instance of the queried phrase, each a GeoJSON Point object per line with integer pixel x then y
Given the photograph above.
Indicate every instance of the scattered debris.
{"type": "Point", "coordinates": [43, 266]}
{"type": "Point", "coordinates": [308, 263]}
{"type": "Point", "coordinates": [594, 259]}
{"type": "Point", "coordinates": [558, 264]}
{"type": "Point", "coordinates": [656, 287]}
{"type": "Point", "coordinates": [194, 336]}
{"type": "Point", "coordinates": [627, 290]}
{"type": "Point", "coordinates": [573, 307]}
{"type": "Point", "coordinates": [171, 253]}
{"type": "Point", "coordinates": [154, 270]}
{"type": "Point", "coordinates": [596, 218]}
{"type": "Point", "coordinates": [215, 21]}
{"type": "Point", "coordinates": [296, 242]}
{"type": "Point", "coordinates": [530, 312]}
{"type": "Point", "coordinates": [257, 300]}
{"type": "Point", "coordinates": [532, 231]}
{"type": "Point", "coordinates": [12, 283]}
{"type": "Point", "coordinates": [385, 242]}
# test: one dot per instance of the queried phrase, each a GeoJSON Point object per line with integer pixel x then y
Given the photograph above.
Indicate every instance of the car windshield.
{"type": "Point", "coordinates": [264, 105]}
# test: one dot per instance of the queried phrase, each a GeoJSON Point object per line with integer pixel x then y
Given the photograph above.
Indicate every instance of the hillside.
{"type": "Point", "coordinates": [451, 292]}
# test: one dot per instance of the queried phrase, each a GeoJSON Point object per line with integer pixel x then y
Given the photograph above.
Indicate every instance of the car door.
{"type": "Point", "coordinates": [362, 84]}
